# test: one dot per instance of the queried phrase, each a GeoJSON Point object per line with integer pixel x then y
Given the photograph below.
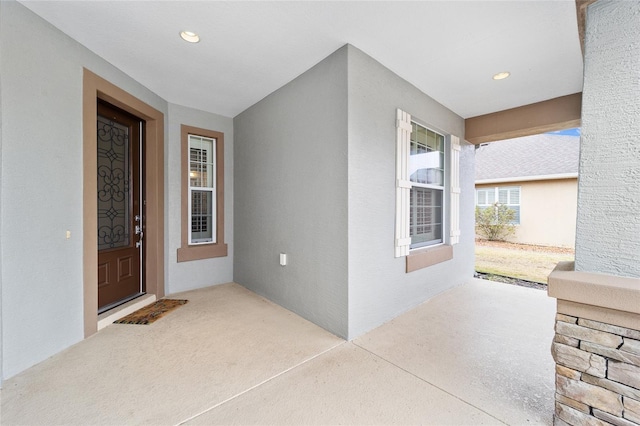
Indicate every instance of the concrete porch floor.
{"type": "Point", "coordinates": [476, 354]}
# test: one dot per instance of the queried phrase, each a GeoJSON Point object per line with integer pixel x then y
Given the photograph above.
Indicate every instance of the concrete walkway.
{"type": "Point", "coordinates": [477, 354]}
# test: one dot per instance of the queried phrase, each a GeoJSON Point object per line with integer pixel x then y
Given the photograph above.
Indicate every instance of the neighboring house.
{"type": "Point", "coordinates": [537, 176]}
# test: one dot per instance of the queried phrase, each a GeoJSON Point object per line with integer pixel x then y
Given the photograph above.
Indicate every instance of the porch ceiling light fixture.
{"type": "Point", "coordinates": [190, 36]}
{"type": "Point", "coordinates": [501, 75]}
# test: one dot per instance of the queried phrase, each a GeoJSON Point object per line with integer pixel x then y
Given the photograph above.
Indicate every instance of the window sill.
{"type": "Point", "coordinates": [423, 258]}
{"type": "Point", "coordinates": [207, 251]}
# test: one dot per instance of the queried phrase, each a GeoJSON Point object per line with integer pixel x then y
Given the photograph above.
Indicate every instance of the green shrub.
{"type": "Point", "coordinates": [495, 222]}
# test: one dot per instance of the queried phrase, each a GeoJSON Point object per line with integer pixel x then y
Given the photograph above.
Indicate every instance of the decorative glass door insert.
{"type": "Point", "coordinates": [114, 196]}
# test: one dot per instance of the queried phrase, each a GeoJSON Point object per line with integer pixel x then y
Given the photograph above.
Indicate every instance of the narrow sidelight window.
{"type": "Point", "coordinates": [202, 171]}
{"type": "Point", "coordinates": [202, 194]}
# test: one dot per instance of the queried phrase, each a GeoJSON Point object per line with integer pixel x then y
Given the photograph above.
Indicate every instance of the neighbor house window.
{"type": "Point", "coordinates": [202, 194]}
{"type": "Point", "coordinates": [507, 195]}
{"type": "Point", "coordinates": [426, 199]}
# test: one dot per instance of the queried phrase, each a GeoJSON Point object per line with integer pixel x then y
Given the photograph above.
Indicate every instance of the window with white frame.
{"type": "Point", "coordinates": [202, 171]}
{"type": "Point", "coordinates": [427, 177]}
{"type": "Point", "coordinates": [426, 174]}
{"type": "Point", "coordinates": [507, 195]}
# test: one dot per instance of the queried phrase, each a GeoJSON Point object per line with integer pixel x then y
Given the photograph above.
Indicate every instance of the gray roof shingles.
{"type": "Point", "coordinates": [538, 155]}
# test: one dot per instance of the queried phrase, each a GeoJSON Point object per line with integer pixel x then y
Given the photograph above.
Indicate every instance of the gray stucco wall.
{"type": "Point", "coordinates": [41, 79]}
{"type": "Point", "coordinates": [290, 159]}
{"type": "Point", "coordinates": [315, 178]}
{"type": "Point", "coordinates": [379, 288]}
{"type": "Point", "coordinates": [1, 230]}
{"type": "Point", "coordinates": [198, 273]}
{"type": "Point", "coordinates": [608, 225]}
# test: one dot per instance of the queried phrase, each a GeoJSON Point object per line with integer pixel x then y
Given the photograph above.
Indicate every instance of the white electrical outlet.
{"type": "Point", "coordinates": [68, 235]}
{"type": "Point", "coordinates": [283, 259]}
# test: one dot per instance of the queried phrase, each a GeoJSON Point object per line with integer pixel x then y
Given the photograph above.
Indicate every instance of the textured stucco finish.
{"type": "Point", "coordinates": [547, 211]}
{"type": "Point", "coordinates": [290, 195]}
{"type": "Point", "coordinates": [42, 285]}
{"type": "Point", "coordinates": [379, 287]}
{"type": "Point", "coordinates": [608, 224]}
{"type": "Point", "coordinates": [316, 180]}
{"type": "Point", "coordinates": [1, 232]}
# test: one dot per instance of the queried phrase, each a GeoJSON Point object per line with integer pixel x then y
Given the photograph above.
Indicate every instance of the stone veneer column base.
{"type": "Point", "coordinates": [596, 348]}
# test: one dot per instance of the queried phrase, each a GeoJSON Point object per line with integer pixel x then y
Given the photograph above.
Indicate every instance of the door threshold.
{"type": "Point", "coordinates": [120, 302]}
{"type": "Point", "coordinates": [108, 317]}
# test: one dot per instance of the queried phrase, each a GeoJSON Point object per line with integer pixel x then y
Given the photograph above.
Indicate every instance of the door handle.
{"type": "Point", "coordinates": [139, 232]}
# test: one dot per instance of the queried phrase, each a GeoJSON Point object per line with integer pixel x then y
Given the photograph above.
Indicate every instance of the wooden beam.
{"type": "Point", "coordinates": [546, 116]}
{"type": "Point", "coordinates": [581, 11]}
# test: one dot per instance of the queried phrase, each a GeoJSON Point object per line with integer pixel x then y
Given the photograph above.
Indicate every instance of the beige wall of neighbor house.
{"type": "Point", "coordinates": [547, 211]}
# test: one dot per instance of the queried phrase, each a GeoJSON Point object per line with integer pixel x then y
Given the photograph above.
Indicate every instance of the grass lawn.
{"type": "Point", "coordinates": [532, 263]}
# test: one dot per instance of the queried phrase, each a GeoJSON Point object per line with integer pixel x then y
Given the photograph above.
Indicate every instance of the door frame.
{"type": "Point", "coordinates": [94, 88]}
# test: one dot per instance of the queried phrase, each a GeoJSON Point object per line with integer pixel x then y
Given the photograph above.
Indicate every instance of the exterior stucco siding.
{"type": "Point", "coordinates": [42, 184]}
{"type": "Point", "coordinates": [379, 286]}
{"type": "Point", "coordinates": [608, 237]}
{"type": "Point", "coordinates": [205, 272]}
{"type": "Point", "coordinates": [291, 195]}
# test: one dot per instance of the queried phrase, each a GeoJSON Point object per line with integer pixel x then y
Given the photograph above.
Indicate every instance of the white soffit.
{"type": "Point", "coordinates": [448, 49]}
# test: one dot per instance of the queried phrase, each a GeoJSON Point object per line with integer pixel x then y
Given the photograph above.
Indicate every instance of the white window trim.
{"type": "Point", "coordinates": [210, 189]}
{"type": "Point", "coordinates": [403, 185]}
{"type": "Point", "coordinates": [443, 188]}
{"type": "Point", "coordinates": [403, 188]}
{"type": "Point", "coordinates": [454, 195]}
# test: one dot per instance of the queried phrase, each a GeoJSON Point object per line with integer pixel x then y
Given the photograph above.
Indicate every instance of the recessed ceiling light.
{"type": "Point", "coordinates": [189, 36]}
{"type": "Point", "coordinates": [501, 75]}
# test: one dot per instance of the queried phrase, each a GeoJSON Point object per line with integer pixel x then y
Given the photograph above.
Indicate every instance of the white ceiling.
{"type": "Point", "coordinates": [448, 49]}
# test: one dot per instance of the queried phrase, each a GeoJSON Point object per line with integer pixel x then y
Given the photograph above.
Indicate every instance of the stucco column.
{"type": "Point", "coordinates": [608, 225]}
{"type": "Point", "coordinates": [597, 341]}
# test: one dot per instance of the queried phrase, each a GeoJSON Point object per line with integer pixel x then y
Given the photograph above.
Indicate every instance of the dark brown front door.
{"type": "Point", "coordinates": [120, 217]}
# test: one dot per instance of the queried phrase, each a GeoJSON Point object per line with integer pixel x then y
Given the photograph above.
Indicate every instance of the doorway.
{"type": "Point", "coordinates": [120, 198]}
{"type": "Point", "coordinates": [97, 89]}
